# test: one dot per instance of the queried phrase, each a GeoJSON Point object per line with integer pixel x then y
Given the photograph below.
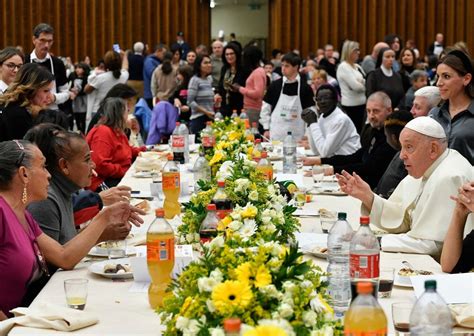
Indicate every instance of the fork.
{"type": "Point", "coordinates": [104, 186]}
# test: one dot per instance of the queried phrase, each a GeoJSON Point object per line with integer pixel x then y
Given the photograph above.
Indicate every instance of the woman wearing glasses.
{"type": "Point", "coordinates": [27, 95]}
{"type": "Point", "coordinates": [24, 179]}
{"type": "Point", "coordinates": [11, 60]}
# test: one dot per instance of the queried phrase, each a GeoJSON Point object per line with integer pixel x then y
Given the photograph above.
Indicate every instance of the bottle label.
{"type": "Point", "coordinates": [364, 266]}
{"type": "Point", "coordinates": [208, 141]}
{"type": "Point", "coordinates": [177, 141]}
{"type": "Point", "coordinates": [171, 180]}
{"type": "Point", "coordinates": [160, 250]}
{"type": "Point", "coordinates": [381, 332]}
{"type": "Point", "coordinates": [221, 214]}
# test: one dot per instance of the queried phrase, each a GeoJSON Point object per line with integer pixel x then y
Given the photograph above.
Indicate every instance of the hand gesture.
{"type": "Point", "coordinates": [465, 197]}
{"type": "Point", "coordinates": [115, 231]}
{"type": "Point", "coordinates": [309, 116]}
{"type": "Point", "coordinates": [115, 194]}
{"type": "Point", "coordinates": [123, 212]}
{"type": "Point", "coordinates": [355, 186]}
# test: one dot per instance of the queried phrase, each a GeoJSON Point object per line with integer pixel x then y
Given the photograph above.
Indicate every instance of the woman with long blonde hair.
{"type": "Point", "coordinates": [29, 93]}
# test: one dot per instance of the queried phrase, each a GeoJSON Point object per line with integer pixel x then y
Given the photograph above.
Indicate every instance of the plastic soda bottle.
{"type": "Point", "coordinates": [430, 314]}
{"type": "Point", "coordinates": [339, 241]}
{"type": "Point", "coordinates": [289, 154]}
{"type": "Point", "coordinates": [222, 201]}
{"type": "Point", "coordinates": [265, 166]}
{"type": "Point", "coordinates": [208, 229]}
{"type": "Point", "coordinates": [234, 114]}
{"type": "Point", "coordinates": [232, 326]}
{"type": "Point", "coordinates": [160, 258]}
{"type": "Point", "coordinates": [245, 118]}
{"type": "Point", "coordinates": [365, 316]}
{"type": "Point", "coordinates": [208, 139]}
{"type": "Point", "coordinates": [180, 143]}
{"type": "Point", "coordinates": [364, 257]}
{"type": "Point", "coordinates": [171, 188]}
{"type": "Point", "coordinates": [257, 150]}
{"type": "Point", "coordinates": [201, 170]}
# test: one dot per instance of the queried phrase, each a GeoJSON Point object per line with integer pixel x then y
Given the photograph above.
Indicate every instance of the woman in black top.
{"type": "Point", "coordinates": [385, 79]}
{"type": "Point", "coordinates": [407, 66]}
{"type": "Point", "coordinates": [28, 94]}
{"type": "Point", "coordinates": [456, 256]}
{"type": "Point", "coordinates": [232, 73]}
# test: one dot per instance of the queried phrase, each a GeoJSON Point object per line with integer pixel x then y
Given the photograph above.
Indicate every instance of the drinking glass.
{"type": "Point", "coordinates": [401, 316]}
{"type": "Point", "coordinates": [300, 197]}
{"type": "Point", "coordinates": [117, 249]}
{"type": "Point", "coordinates": [386, 281]}
{"type": "Point", "coordinates": [318, 173]}
{"type": "Point", "coordinates": [328, 218]}
{"type": "Point", "coordinates": [76, 293]}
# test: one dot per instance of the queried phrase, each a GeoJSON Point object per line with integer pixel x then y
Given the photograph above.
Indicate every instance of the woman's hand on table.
{"type": "Point", "coordinates": [115, 194]}
{"type": "Point", "coordinates": [356, 187]}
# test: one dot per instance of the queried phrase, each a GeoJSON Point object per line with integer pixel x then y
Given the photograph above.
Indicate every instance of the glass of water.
{"type": "Point", "coordinates": [318, 174]}
{"type": "Point", "coordinates": [117, 249]}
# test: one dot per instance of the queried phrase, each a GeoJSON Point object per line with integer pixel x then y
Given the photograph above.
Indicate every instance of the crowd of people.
{"type": "Point", "coordinates": [397, 127]}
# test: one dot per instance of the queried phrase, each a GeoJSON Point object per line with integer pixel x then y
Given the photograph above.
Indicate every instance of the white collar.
{"type": "Point", "coordinates": [34, 57]}
{"type": "Point", "coordinates": [286, 80]}
{"type": "Point", "coordinates": [386, 72]}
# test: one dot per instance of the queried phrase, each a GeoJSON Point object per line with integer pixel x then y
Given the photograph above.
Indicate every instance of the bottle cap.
{"type": "Point", "coordinates": [364, 220]}
{"type": "Point", "coordinates": [289, 133]}
{"type": "Point", "coordinates": [211, 207]}
{"type": "Point", "coordinates": [264, 155]}
{"type": "Point", "coordinates": [208, 123]}
{"type": "Point", "coordinates": [170, 157]}
{"type": "Point", "coordinates": [430, 284]}
{"type": "Point", "coordinates": [254, 124]}
{"type": "Point", "coordinates": [258, 141]}
{"type": "Point", "coordinates": [232, 325]}
{"type": "Point", "coordinates": [341, 216]}
{"type": "Point", "coordinates": [178, 123]}
{"type": "Point", "coordinates": [364, 288]}
{"type": "Point", "coordinates": [160, 212]}
{"type": "Point", "coordinates": [221, 184]}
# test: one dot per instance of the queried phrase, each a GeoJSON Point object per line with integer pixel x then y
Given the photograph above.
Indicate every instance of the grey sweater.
{"type": "Point", "coordinates": [55, 214]}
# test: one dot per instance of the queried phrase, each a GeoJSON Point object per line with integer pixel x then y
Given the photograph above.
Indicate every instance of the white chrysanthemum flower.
{"type": "Point", "coordinates": [306, 284]}
{"type": "Point", "coordinates": [270, 227]}
{"type": "Point", "coordinates": [289, 286]}
{"type": "Point", "coordinates": [236, 214]}
{"type": "Point", "coordinates": [324, 331]}
{"type": "Point", "coordinates": [217, 332]}
{"type": "Point", "coordinates": [210, 306]}
{"type": "Point", "coordinates": [309, 318]}
{"type": "Point", "coordinates": [317, 305]}
{"type": "Point", "coordinates": [242, 185]}
{"type": "Point", "coordinates": [271, 189]}
{"type": "Point", "coordinates": [271, 291]}
{"type": "Point", "coordinates": [206, 284]}
{"type": "Point", "coordinates": [182, 240]}
{"type": "Point", "coordinates": [182, 323]}
{"type": "Point", "coordinates": [285, 310]}
{"type": "Point", "coordinates": [248, 230]}
{"type": "Point", "coordinates": [190, 237]}
{"type": "Point", "coordinates": [253, 195]}
{"type": "Point", "coordinates": [235, 225]}
{"type": "Point", "coordinates": [225, 171]}
{"type": "Point", "coordinates": [266, 219]}
{"type": "Point", "coordinates": [192, 328]}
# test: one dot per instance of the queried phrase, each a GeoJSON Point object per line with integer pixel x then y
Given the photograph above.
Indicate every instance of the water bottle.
{"type": "Point", "coordinates": [289, 155]}
{"type": "Point", "coordinates": [245, 118]}
{"type": "Point", "coordinates": [217, 111]}
{"type": "Point", "coordinates": [180, 143]}
{"type": "Point", "coordinates": [364, 258]}
{"type": "Point", "coordinates": [339, 241]}
{"type": "Point", "coordinates": [234, 114]}
{"type": "Point", "coordinates": [430, 314]}
{"type": "Point", "coordinates": [201, 170]}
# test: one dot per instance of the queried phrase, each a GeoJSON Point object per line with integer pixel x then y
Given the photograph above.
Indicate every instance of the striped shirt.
{"type": "Point", "coordinates": [200, 93]}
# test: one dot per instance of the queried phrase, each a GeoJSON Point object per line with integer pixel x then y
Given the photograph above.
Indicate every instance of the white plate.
{"type": "Point", "coordinates": [399, 283]}
{"type": "Point", "coordinates": [315, 252]}
{"type": "Point", "coordinates": [102, 252]}
{"type": "Point", "coordinates": [98, 268]}
{"type": "Point", "coordinates": [146, 174]}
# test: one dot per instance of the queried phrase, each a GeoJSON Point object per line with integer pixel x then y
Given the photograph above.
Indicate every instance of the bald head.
{"type": "Point", "coordinates": [377, 47]}
{"type": "Point", "coordinates": [217, 48]}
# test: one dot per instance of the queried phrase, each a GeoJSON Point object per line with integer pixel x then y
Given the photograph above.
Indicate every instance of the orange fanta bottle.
{"type": "Point", "coordinates": [171, 188]}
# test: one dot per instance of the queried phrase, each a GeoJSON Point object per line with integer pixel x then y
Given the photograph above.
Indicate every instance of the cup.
{"type": "Point", "coordinates": [76, 293]}
{"type": "Point", "coordinates": [318, 173]}
{"type": "Point", "coordinates": [328, 170]}
{"type": "Point", "coordinates": [328, 218]}
{"type": "Point", "coordinates": [401, 316]}
{"type": "Point", "coordinates": [117, 249]}
{"type": "Point", "coordinates": [386, 281]}
{"type": "Point", "coordinates": [300, 197]}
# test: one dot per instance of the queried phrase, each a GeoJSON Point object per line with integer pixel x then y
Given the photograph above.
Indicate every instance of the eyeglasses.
{"type": "Point", "coordinates": [13, 66]}
{"type": "Point", "coordinates": [229, 54]}
{"type": "Point", "coordinates": [20, 159]}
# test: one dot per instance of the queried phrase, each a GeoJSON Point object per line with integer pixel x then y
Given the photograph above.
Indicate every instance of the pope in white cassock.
{"type": "Point", "coordinates": [419, 211]}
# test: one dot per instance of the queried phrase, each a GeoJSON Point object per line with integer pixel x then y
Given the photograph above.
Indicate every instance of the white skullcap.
{"type": "Point", "coordinates": [427, 126]}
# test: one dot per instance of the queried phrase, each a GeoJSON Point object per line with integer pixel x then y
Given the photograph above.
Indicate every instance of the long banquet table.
{"type": "Point", "coordinates": [121, 312]}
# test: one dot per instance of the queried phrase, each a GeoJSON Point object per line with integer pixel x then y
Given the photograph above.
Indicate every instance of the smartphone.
{"type": "Point", "coordinates": [116, 47]}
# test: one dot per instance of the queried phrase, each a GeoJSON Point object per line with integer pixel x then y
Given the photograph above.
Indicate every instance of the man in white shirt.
{"type": "Point", "coordinates": [43, 35]}
{"type": "Point", "coordinates": [333, 132]}
{"type": "Point", "coordinates": [419, 210]}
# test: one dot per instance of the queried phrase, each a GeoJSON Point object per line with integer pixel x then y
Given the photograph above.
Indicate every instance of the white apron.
{"type": "Point", "coordinates": [286, 116]}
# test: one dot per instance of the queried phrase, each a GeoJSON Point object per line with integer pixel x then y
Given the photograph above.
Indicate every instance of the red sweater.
{"type": "Point", "coordinates": [111, 153]}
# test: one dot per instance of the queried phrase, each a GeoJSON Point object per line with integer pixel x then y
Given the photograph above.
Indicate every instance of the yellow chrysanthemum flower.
{"type": "Point", "coordinates": [259, 277]}
{"type": "Point", "coordinates": [230, 296]}
{"type": "Point", "coordinates": [186, 305]}
{"type": "Point", "coordinates": [249, 212]}
{"type": "Point", "coordinates": [266, 331]}
{"type": "Point", "coordinates": [233, 135]}
{"type": "Point", "coordinates": [222, 225]}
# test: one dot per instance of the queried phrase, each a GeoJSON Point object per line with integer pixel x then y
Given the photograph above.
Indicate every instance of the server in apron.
{"type": "Point", "coordinates": [285, 100]}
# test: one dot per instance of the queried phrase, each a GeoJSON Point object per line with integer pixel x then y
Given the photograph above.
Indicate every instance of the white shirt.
{"type": "Point", "coordinates": [3, 87]}
{"type": "Point", "coordinates": [334, 135]}
{"type": "Point", "coordinates": [423, 229]}
{"type": "Point", "coordinates": [352, 84]}
{"type": "Point", "coordinates": [102, 83]}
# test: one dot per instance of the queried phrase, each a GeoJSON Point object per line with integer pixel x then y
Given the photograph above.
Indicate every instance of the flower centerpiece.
{"type": "Point", "coordinates": [253, 269]}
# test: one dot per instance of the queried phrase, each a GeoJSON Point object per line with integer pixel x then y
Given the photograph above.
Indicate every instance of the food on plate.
{"type": "Point", "coordinates": [407, 272]}
{"type": "Point", "coordinates": [117, 268]}
{"type": "Point", "coordinates": [141, 204]}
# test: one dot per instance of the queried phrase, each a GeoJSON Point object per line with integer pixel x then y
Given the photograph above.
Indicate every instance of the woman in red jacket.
{"type": "Point", "coordinates": [109, 145]}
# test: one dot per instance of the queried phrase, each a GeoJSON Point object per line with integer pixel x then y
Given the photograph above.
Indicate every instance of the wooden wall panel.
{"type": "Point", "coordinates": [90, 27]}
{"type": "Point", "coordinates": [367, 21]}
